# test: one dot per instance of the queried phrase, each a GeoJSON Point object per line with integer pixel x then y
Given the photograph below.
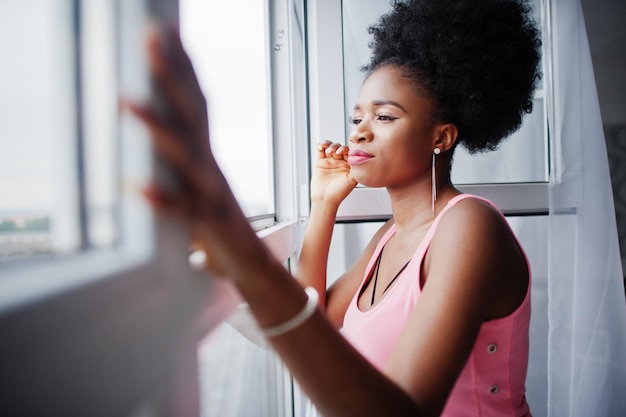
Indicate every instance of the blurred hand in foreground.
{"type": "Point", "coordinates": [178, 125]}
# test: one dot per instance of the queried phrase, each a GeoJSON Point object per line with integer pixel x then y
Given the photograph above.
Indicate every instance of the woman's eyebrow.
{"type": "Point", "coordinates": [378, 103]}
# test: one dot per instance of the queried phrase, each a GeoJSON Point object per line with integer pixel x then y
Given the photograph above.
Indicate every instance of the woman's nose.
{"type": "Point", "coordinates": [360, 134]}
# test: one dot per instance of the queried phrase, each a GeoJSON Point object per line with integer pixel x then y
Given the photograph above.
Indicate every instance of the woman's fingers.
{"type": "Point", "coordinates": [165, 202]}
{"type": "Point", "coordinates": [321, 148]}
{"type": "Point", "coordinates": [178, 120]}
{"type": "Point", "coordinates": [334, 150]}
{"type": "Point", "coordinates": [166, 142]}
{"type": "Point", "coordinates": [173, 73]}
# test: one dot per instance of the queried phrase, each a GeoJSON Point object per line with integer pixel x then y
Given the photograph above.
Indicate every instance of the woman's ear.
{"type": "Point", "coordinates": [446, 138]}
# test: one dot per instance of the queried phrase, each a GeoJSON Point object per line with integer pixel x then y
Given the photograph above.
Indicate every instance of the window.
{"type": "Point", "coordinates": [228, 44]}
{"type": "Point", "coordinates": [38, 173]}
{"type": "Point", "coordinates": [110, 309]}
{"type": "Point", "coordinates": [59, 140]}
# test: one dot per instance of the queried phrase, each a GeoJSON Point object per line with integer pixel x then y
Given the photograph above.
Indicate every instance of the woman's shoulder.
{"type": "Point", "coordinates": [476, 222]}
{"type": "Point", "coordinates": [471, 211]}
{"type": "Point", "coordinates": [475, 251]}
{"type": "Point", "coordinates": [472, 202]}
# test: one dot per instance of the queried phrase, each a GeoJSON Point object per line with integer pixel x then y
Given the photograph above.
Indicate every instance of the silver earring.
{"type": "Point", "coordinates": [436, 151]}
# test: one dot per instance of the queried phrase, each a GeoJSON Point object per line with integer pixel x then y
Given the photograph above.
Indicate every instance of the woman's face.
{"type": "Point", "coordinates": [393, 138]}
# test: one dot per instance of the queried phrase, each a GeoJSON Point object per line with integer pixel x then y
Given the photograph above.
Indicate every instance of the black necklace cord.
{"type": "Point", "coordinates": [380, 255]}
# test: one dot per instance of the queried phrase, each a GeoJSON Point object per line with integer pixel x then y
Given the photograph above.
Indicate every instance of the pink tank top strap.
{"type": "Point", "coordinates": [451, 203]}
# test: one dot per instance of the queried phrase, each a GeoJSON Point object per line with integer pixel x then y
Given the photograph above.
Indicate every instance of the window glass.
{"type": "Point", "coordinates": [522, 158]}
{"type": "Point", "coordinates": [59, 127]}
{"type": "Point", "coordinates": [38, 170]}
{"type": "Point", "coordinates": [227, 42]}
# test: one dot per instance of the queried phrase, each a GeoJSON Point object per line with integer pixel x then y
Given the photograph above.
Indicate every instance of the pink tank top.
{"type": "Point", "coordinates": [492, 383]}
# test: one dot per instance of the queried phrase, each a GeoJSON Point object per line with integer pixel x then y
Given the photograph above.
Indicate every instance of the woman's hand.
{"type": "Point", "coordinates": [178, 125]}
{"type": "Point", "coordinates": [200, 197]}
{"type": "Point", "coordinates": [331, 181]}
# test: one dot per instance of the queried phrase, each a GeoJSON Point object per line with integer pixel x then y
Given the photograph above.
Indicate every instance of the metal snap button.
{"type": "Point", "coordinates": [492, 348]}
{"type": "Point", "coordinates": [494, 389]}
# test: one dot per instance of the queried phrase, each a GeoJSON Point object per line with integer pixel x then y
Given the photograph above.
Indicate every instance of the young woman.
{"type": "Point", "coordinates": [435, 312]}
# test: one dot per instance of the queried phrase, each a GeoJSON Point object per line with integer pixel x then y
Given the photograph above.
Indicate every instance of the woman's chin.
{"type": "Point", "coordinates": [364, 181]}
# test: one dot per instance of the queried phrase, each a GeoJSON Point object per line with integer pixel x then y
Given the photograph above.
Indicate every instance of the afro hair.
{"type": "Point", "coordinates": [477, 59]}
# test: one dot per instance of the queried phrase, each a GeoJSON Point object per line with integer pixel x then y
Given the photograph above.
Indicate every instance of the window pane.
{"type": "Point", "coordinates": [521, 158]}
{"type": "Point", "coordinates": [38, 180]}
{"type": "Point", "coordinates": [59, 125]}
{"type": "Point", "coordinates": [227, 42]}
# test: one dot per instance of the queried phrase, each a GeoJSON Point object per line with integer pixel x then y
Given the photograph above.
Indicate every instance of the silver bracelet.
{"type": "Point", "coordinates": [297, 320]}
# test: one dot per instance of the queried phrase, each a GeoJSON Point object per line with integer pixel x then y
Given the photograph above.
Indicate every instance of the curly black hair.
{"type": "Point", "coordinates": [477, 59]}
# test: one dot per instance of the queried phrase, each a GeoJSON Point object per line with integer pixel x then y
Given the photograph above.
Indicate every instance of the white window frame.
{"type": "Point", "coordinates": [291, 156]}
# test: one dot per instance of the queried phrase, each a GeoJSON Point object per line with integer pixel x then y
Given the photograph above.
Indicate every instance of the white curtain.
{"type": "Point", "coordinates": [586, 310]}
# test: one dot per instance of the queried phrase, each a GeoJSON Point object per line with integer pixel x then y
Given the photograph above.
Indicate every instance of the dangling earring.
{"type": "Point", "coordinates": [436, 151]}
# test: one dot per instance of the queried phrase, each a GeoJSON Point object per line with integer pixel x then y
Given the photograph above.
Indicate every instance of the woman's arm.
{"type": "Point", "coordinates": [330, 184]}
{"type": "Point", "coordinates": [336, 377]}
{"type": "Point", "coordinates": [330, 371]}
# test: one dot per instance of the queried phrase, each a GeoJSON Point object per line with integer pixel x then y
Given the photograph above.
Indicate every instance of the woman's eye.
{"type": "Point", "coordinates": [354, 120]}
{"type": "Point", "coordinates": [385, 117]}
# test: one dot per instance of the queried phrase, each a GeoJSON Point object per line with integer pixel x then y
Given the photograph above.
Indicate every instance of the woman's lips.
{"type": "Point", "coordinates": [357, 157]}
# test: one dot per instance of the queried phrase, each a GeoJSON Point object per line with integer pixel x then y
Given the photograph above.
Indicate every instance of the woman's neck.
{"type": "Point", "coordinates": [412, 206]}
